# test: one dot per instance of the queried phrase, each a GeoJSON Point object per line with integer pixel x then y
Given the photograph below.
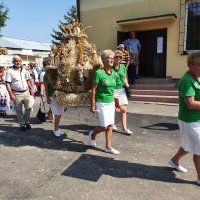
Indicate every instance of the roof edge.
{"type": "Point", "coordinates": [151, 17]}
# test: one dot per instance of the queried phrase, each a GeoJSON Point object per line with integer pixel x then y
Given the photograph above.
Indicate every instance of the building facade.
{"type": "Point", "coordinates": [30, 51]}
{"type": "Point", "coordinates": [167, 29]}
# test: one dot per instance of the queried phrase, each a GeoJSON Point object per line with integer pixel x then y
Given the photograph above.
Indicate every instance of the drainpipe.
{"type": "Point", "coordinates": [78, 10]}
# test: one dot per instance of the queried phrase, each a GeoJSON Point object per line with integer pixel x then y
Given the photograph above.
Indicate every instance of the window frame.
{"type": "Point", "coordinates": [186, 25]}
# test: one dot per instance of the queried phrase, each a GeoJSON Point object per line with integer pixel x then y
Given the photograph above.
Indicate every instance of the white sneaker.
{"type": "Point", "coordinates": [61, 133]}
{"type": "Point", "coordinates": [113, 151]}
{"type": "Point", "coordinates": [178, 168]}
{"type": "Point", "coordinates": [114, 127]}
{"type": "Point", "coordinates": [127, 132]}
{"type": "Point", "coordinates": [56, 133]}
{"type": "Point", "coordinates": [198, 182]}
{"type": "Point", "coordinates": [92, 142]}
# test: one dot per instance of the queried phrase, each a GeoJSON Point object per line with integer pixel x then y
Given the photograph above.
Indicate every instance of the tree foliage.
{"type": "Point", "coordinates": [57, 35]}
{"type": "Point", "coordinates": [3, 15]}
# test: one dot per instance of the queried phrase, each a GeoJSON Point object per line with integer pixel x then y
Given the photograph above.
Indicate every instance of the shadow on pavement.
{"type": "Point", "coordinates": [92, 167]}
{"type": "Point", "coordinates": [38, 137]}
{"type": "Point", "coordinates": [163, 127]}
{"type": "Point", "coordinates": [80, 128]}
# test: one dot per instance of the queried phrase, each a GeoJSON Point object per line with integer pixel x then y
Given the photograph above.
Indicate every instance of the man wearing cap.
{"type": "Point", "coordinates": [20, 90]}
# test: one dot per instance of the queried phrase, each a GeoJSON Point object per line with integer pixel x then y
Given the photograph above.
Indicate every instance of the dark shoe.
{"type": "Point", "coordinates": [28, 126]}
{"type": "Point", "coordinates": [23, 127]}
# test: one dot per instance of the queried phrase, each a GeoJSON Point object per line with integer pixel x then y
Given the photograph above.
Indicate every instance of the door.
{"type": "Point", "coordinates": [121, 36]}
{"type": "Point", "coordinates": [160, 53]}
{"type": "Point", "coordinates": [152, 58]}
{"type": "Point", "coordinates": [146, 56]}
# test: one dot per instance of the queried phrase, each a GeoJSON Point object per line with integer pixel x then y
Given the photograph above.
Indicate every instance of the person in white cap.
{"type": "Point", "coordinates": [125, 55]}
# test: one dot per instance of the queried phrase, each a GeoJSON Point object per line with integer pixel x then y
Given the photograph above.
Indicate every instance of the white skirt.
{"type": "Point", "coordinates": [4, 98]}
{"type": "Point", "coordinates": [190, 136]}
{"type": "Point", "coordinates": [55, 108]}
{"type": "Point", "coordinates": [106, 113]}
{"type": "Point", "coordinates": [120, 94]}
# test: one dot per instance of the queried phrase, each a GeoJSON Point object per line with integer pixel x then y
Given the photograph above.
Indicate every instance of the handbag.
{"type": "Point", "coordinates": [128, 91]}
{"type": "Point", "coordinates": [41, 115]}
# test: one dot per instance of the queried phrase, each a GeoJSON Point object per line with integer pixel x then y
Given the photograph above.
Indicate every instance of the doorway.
{"type": "Point", "coordinates": [153, 52]}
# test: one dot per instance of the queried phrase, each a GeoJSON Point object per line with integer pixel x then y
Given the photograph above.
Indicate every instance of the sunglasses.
{"type": "Point", "coordinates": [120, 57]}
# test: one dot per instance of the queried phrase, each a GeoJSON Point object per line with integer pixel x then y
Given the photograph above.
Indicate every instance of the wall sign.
{"type": "Point", "coordinates": [159, 44]}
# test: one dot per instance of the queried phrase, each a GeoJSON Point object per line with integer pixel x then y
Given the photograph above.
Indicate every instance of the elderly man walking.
{"type": "Point", "coordinates": [20, 90]}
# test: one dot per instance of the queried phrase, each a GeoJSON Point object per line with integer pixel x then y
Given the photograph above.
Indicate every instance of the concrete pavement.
{"type": "Point", "coordinates": [38, 166]}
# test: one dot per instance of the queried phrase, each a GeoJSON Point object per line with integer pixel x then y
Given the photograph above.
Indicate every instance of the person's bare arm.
{"type": "Point", "coordinates": [30, 87]}
{"type": "Point", "coordinates": [42, 89]}
{"type": "Point", "coordinates": [126, 79]}
{"type": "Point", "coordinates": [46, 84]}
{"type": "Point", "coordinates": [191, 103]}
{"type": "Point", "coordinates": [93, 106]}
{"type": "Point", "coordinates": [12, 96]}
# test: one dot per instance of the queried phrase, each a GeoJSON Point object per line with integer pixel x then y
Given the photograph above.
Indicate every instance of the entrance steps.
{"type": "Point", "coordinates": [155, 90]}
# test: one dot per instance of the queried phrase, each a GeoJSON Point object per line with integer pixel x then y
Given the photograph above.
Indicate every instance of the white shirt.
{"type": "Point", "coordinates": [35, 75]}
{"type": "Point", "coordinates": [42, 76]}
{"type": "Point", "coordinates": [17, 79]}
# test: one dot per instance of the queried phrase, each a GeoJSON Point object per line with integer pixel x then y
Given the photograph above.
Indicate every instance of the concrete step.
{"type": "Point", "coordinates": [154, 98]}
{"type": "Point", "coordinates": [169, 86]}
{"type": "Point", "coordinates": [155, 92]}
{"type": "Point", "coordinates": [155, 81]}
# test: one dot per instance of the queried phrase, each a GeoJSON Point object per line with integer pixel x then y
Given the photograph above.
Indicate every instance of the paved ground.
{"type": "Point", "coordinates": [35, 165]}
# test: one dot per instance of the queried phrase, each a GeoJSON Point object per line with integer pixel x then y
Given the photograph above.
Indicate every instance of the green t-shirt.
{"type": "Point", "coordinates": [105, 88]}
{"type": "Point", "coordinates": [120, 76]}
{"type": "Point", "coordinates": [188, 86]}
{"type": "Point", "coordinates": [51, 89]}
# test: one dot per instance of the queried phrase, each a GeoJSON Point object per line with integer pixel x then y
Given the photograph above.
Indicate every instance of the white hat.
{"type": "Point", "coordinates": [121, 45]}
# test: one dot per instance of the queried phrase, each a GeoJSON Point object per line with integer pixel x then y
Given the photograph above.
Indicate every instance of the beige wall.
{"type": "Point", "coordinates": [102, 16]}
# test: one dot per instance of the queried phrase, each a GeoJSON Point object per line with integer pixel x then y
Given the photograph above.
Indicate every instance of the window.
{"type": "Point", "coordinates": [192, 28]}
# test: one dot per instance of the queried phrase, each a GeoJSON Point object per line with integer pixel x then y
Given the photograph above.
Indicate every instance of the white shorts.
{"type": "Point", "coordinates": [190, 136]}
{"type": "Point", "coordinates": [106, 113]}
{"type": "Point", "coordinates": [120, 94]}
{"type": "Point", "coordinates": [55, 108]}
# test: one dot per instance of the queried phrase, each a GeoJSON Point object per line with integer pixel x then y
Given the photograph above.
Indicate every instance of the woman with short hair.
{"type": "Point", "coordinates": [189, 115]}
{"type": "Point", "coordinates": [102, 100]}
{"type": "Point", "coordinates": [56, 109]}
{"type": "Point", "coordinates": [121, 100]}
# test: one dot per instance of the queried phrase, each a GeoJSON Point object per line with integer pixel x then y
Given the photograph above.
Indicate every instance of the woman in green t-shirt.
{"type": "Point", "coordinates": [102, 100]}
{"type": "Point", "coordinates": [57, 110]}
{"type": "Point", "coordinates": [189, 115]}
{"type": "Point", "coordinates": [121, 100]}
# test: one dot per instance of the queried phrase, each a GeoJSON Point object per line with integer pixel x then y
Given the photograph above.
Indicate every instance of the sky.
{"type": "Point", "coordinates": [34, 19]}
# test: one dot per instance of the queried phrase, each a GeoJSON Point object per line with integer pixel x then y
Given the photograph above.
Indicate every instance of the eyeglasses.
{"type": "Point", "coordinates": [120, 57]}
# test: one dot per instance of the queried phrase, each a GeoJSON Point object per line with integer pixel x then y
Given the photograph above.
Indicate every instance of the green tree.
{"type": "Point", "coordinates": [57, 35]}
{"type": "Point", "coordinates": [3, 15]}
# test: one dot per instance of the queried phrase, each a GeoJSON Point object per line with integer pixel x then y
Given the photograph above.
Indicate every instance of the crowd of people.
{"type": "Point", "coordinates": [19, 84]}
